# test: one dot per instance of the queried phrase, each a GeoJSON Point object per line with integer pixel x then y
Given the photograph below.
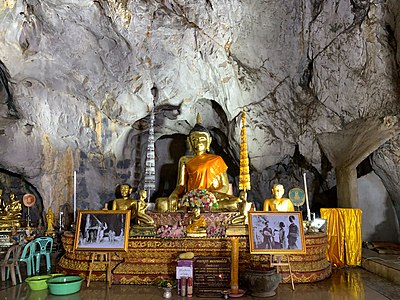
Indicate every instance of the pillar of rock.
{"type": "Point", "coordinates": [347, 148]}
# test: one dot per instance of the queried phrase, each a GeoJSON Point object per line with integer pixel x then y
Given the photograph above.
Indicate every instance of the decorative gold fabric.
{"type": "Point", "coordinates": [203, 169]}
{"type": "Point", "coordinates": [344, 235]}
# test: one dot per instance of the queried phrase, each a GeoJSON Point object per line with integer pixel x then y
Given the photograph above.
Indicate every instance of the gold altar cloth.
{"type": "Point", "coordinates": [149, 260]}
{"type": "Point", "coordinates": [344, 235]}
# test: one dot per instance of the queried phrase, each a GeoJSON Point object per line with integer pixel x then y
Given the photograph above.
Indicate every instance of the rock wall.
{"type": "Point", "coordinates": [80, 74]}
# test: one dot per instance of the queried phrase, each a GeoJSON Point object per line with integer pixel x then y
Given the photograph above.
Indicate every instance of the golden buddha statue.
{"type": "Point", "coordinates": [244, 208]}
{"type": "Point", "coordinates": [142, 217]}
{"type": "Point", "coordinates": [201, 171]}
{"type": "Point", "coordinates": [12, 212]}
{"type": "Point", "coordinates": [50, 219]}
{"type": "Point", "coordinates": [278, 203]}
{"type": "Point", "coordinates": [197, 225]}
{"type": "Point", "coordinates": [14, 208]}
{"type": "Point", "coordinates": [239, 223]}
{"type": "Point", "coordinates": [141, 223]}
{"type": "Point", "coordinates": [124, 202]}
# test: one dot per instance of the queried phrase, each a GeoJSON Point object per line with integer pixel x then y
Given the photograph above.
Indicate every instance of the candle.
{"type": "Point", "coordinates": [306, 195]}
{"type": "Point", "coordinates": [235, 265]}
{"type": "Point", "coordinates": [61, 220]}
{"type": "Point", "coordinates": [74, 196]}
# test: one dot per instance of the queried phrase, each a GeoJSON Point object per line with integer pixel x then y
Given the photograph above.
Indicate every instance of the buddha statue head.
{"type": "Point", "coordinates": [142, 195]}
{"type": "Point", "coordinates": [199, 138]}
{"type": "Point", "coordinates": [123, 191]}
{"type": "Point", "coordinates": [278, 191]}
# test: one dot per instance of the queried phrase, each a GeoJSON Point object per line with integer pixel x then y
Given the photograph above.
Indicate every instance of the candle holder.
{"type": "Point", "coordinates": [167, 294]}
{"type": "Point", "coordinates": [225, 294]}
{"type": "Point", "coordinates": [73, 227]}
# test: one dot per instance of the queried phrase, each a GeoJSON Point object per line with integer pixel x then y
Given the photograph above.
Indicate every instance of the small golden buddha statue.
{"type": "Point", "coordinates": [244, 208]}
{"type": "Point", "coordinates": [124, 202]}
{"type": "Point", "coordinates": [137, 207]}
{"type": "Point", "coordinates": [239, 223]}
{"type": "Point", "coordinates": [142, 217]}
{"type": "Point", "coordinates": [278, 203]}
{"type": "Point", "coordinates": [197, 225]}
{"type": "Point", "coordinates": [202, 171]}
{"type": "Point", "coordinates": [50, 219]}
{"type": "Point", "coordinates": [12, 214]}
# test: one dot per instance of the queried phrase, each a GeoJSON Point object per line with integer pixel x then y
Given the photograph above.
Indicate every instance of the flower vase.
{"type": "Point", "coordinates": [167, 292]}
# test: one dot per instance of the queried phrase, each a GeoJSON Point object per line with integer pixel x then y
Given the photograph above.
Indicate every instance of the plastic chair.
{"type": "Point", "coordinates": [42, 246]}
{"type": "Point", "coordinates": [28, 258]}
{"type": "Point", "coordinates": [10, 261]}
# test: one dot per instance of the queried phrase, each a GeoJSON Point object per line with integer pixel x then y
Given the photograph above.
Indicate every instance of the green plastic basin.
{"type": "Point", "coordinates": [64, 285]}
{"type": "Point", "coordinates": [56, 274]}
{"type": "Point", "coordinates": [37, 283]}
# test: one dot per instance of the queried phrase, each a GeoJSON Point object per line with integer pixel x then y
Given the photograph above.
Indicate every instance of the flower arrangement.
{"type": "Point", "coordinates": [215, 231]}
{"type": "Point", "coordinates": [168, 231]}
{"type": "Point", "coordinates": [167, 283]}
{"type": "Point", "coordinates": [198, 198]}
{"type": "Point", "coordinates": [218, 228]}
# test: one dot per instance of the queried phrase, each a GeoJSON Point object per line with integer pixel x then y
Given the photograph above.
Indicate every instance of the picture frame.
{"type": "Point", "coordinates": [276, 232]}
{"type": "Point", "coordinates": [102, 230]}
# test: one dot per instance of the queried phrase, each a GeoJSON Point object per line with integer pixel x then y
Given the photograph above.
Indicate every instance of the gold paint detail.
{"type": "Point", "coordinates": [149, 259]}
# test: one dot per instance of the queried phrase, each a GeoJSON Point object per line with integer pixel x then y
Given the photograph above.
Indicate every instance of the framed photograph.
{"type": "Point", "coordinates": [102, 230]}
{"type": "Point", "coordinates": [276, 232]}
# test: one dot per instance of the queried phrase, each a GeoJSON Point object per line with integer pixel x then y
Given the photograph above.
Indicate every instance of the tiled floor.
{"type": "Point", "coordinates": [346, 283]}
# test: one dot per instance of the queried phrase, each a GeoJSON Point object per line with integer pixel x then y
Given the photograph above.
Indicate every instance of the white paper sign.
{"type": "Point", "coordinates": [184, 272]}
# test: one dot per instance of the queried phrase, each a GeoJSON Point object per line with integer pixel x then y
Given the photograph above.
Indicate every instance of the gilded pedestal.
{"type": "Point", "coordinates": [150, 259]}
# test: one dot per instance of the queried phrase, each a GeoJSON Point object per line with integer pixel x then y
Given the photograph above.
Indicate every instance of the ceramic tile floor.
{"type": "Point", "coordinates": [345, 283]}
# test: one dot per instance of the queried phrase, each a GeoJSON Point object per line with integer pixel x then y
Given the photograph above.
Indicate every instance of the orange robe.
{"type": "Point", "coordinates": [203, 169]}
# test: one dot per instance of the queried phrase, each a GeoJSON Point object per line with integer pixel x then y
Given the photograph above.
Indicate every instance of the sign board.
{"type": "Point", "coordinates": [212, 272]}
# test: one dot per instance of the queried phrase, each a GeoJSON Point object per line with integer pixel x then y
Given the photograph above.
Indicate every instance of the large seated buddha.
{"type": "Point", "coordinates": [200, 171]}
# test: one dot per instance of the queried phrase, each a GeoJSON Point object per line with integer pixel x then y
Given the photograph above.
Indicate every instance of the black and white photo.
{"type": "Point", "coordinates": [102, 230]}
{"type": "Point", "coordinates": [276, 232]}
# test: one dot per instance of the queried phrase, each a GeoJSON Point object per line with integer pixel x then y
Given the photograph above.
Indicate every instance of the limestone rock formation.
{"type": "Point", "coordinates": [81, 72]}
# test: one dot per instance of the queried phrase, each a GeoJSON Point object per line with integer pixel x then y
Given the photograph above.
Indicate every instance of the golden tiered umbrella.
{"type": "Point", "coordinates": [244, 176]}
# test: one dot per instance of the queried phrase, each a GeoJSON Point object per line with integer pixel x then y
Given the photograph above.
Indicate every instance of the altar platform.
{"type": "Point", "coordinates": [148, 260]}
{"type": "Point", "coordinates": [386, 265]}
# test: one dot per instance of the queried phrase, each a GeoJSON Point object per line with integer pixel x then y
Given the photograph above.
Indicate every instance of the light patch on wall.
{"type": "Point", "coordinates": [8, 4]}
{"type": "Point", "coordinates": [121, 9]}
{"type": "Point", "coordinates": [98, 128]}
{"type": "Point", "coordinates": [379, 218]}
